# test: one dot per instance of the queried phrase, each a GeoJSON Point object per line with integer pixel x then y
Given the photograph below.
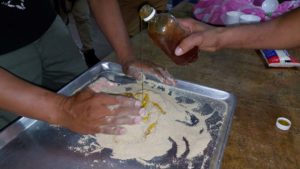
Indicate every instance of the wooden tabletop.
{"type": "Point", "coordinates": [263, 94]}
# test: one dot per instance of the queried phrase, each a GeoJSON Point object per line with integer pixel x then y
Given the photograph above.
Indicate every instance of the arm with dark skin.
{"type": "Point", "coordinates": [86, 112]}
{"type": "Point", "coordinates": [109, 19]}
{"type": "Point", "coordinates": [280, 33]}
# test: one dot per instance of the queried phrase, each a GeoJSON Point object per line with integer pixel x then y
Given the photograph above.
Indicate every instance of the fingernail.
{"type": "Point", "coordinates": [137, 119]}
{"type": "Point", "coordinates": [108, 118]}
{"type": "Point", "coordinates": [178, 51]}
{"type": "Point", "coordinates": [137, 103]}
{"type": "Point", "coordinates": [142, 112]}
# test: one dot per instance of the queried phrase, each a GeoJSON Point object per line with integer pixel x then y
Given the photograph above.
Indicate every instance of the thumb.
{"type": "Point", "coordinates": [188, 43]}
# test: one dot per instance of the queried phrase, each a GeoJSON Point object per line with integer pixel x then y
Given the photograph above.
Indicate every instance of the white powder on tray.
{"type": "Point", "coordinates": [167, 122]}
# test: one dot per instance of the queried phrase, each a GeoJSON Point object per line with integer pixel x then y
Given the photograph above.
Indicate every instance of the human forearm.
{"type": "Point", "coordinates": [279, 33]}
{"type": "Point", "coordinates": [108, 17]}
{"type": "Point", "coordinates": [28, 100]}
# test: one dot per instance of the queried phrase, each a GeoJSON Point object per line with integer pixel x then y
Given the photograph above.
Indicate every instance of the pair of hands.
{"type": "Point", "coordinates": [88, 112]}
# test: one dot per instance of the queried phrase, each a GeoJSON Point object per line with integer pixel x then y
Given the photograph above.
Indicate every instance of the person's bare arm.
{"type": "Point", "coordinates": [109, 19]}
{"type": "Point", "coordinates": [86, 112]}
{"type": "Point", "coordinates": [28, 100]}
{"type": "Point", "coordinates": [280, 33]}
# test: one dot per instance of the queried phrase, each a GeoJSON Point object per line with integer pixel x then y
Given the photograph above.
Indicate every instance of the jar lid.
{"type": "Point", "coordinates": [283, 123]}
{"type": "Point", "coordinates": [147, 12]}
{"type": "Point", "coordinates": [150, 16]}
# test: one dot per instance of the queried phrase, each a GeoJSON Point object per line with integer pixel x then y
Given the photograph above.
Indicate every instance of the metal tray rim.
{"type": "Point", "coordinates": [87, 77]}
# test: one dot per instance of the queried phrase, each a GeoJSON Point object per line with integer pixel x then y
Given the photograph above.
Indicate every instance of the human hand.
{"type": "Point", "coordinates": [137, 68]}
{"type": "Point", "coordinates": [204, 36]}
{"type": "Point", "coordinates": [88, 112]}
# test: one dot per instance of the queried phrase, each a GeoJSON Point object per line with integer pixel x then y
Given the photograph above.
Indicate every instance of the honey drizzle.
{"type": "Point", "coordinates": [145, 102]}
{"type": "Point", "coordinates": [150, 129]}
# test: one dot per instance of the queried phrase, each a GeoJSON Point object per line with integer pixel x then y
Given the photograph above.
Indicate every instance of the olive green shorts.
{"type": "Point", "coordinates": [50, 62]}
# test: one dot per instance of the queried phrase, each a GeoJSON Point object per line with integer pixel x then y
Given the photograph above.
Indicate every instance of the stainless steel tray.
{"type": "Point", "coordinates": [29, 143]}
